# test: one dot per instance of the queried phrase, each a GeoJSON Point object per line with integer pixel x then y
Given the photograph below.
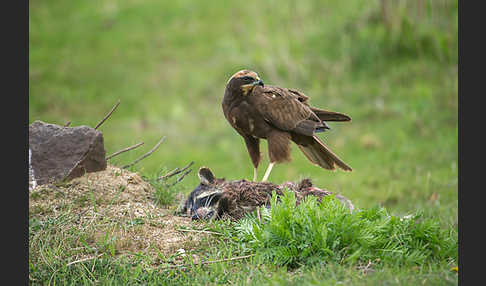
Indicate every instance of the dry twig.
{"type": "Point", "coordinates": [146, 154]}
{"type": "Point", "coordinates": [170, 174]}
{"type": "Point", "coordinates": [124, 150]}
{"type": "Point", "coordinates": [365, 269]}
{"type": "Point", "coordinates": [108, 115]}
{"type": "Point", "coordinates": [181, 177]}
{"type": "Point", "coordinates": [84, 259]}
{"type": "Point", "coordinates": [199, 231]}
{"type": "Point", "coordinates": [52, 276]}
{"type": "Point", "coordinates": [175, 171]}
{"type": "Point", "coordinates": [213, 261]}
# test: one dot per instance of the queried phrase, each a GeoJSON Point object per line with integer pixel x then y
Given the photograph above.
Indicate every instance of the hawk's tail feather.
{"type": "Point", "coordinates": [318, 153]}
{"type": "Point", "coordinates": [326, 115]}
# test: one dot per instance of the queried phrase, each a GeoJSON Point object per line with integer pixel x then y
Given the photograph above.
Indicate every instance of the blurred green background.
{"type": "Point", "coordinates": [390, 65]}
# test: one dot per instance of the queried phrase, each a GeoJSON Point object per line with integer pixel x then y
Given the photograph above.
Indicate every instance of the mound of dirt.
{"type": "Point", "coordinates": [118, 203]}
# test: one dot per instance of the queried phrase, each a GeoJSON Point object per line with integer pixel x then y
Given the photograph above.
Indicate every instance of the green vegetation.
{"type": "Point", "coordinates": [164, 191]}
{"type": "Point", "coordinates": [390, 65]}
{"type": "Point", "coordinates": [311, 232]}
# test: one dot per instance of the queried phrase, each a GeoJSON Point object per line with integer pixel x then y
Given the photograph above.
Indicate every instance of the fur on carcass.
{"type": "Point", "coordinates": [216, 198]}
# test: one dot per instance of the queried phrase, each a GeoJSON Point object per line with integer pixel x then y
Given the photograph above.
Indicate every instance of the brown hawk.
{"type": "Point", "coordinates": [279, 115]}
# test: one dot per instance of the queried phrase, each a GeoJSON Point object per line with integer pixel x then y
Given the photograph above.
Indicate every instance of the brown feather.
{"type": "Point", "coordinates": [326, 115]}
{"type": "Point", "coordinates": [253, 146]}
{"type": "Point", "coordinates": [318, 153]}
{"type": "Point", "coordinates": [279, 115]}
{"type": "Point", "coordinates": [279, 146]}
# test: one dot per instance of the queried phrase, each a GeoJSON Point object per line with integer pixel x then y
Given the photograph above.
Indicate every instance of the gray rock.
{"type": "Point", "coordinates": [32, 182]}
{"type": "Point", "coordinates": [63, 153]}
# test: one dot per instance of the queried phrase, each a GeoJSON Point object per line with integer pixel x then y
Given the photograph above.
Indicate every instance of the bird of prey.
{"type": "Point", "coordinates": [279, 115]}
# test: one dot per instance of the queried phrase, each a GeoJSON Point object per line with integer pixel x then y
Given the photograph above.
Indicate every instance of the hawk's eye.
{"type": "Point", "coordinates": [248, 78]}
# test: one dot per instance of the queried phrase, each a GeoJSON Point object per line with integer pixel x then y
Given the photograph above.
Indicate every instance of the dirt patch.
{"type": "Point", "coordinates": [117, 206]}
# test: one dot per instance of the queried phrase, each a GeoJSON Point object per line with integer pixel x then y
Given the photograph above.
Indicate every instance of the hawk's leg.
{"type": "Point", "coordinates": [267, 172]}
{"type": "Point", "coordinates": [253, 146]}
{"type": "Point", "coordinates": [278, 150]}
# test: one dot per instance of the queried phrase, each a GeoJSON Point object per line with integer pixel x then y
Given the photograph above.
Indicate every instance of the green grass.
{"type": "Point", "coordinates": [168, 62]}
{"type": "Point", "coordinates": [418, 252]}
{"type": "Point", "coordinates": [310, 232]}
{"type": "Point", "coordinates": [164, 191]}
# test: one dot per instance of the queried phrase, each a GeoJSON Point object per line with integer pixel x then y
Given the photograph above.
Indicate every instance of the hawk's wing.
{"type": "Point", "coordinates": [298, 95]}
{"type": "Point", "coordinates": [324, 115]}
{"type": "Point", "coordinates": [283, 109]}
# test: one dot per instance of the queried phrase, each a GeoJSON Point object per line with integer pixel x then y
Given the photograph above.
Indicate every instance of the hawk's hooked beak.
{"type": "Point", "coordinates": [258, 82]}
{"type": "Point", "coordinates": [248, 87]}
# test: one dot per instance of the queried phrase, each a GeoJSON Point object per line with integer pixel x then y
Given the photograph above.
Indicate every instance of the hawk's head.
{"type": "Point", "coordinates": [243, 82]}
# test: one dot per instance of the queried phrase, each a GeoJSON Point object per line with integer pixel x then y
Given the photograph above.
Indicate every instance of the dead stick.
{"type": "Point", "coordinates": [182, 177]}
{"type": "Point", "coordinates": [108, 115]}
{"type": "Point", "coordinates": [170, 174]}
{"type": "Point", "coordinates": [83, 260]}
{"type": "Point", "coordinates": [213, 261]}
{"type": "Point", "coordinates": [146, 154]}
{"type": "Point", "coordinates": [124, 150]}
{"type": "Point", "coordinates": [199, 231]}
{"type": "Point", "coordinates": [176, 171]}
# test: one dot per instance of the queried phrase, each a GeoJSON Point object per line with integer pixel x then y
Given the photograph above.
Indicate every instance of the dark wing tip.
{"type": "Point", "coordinates": [344, 167]}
